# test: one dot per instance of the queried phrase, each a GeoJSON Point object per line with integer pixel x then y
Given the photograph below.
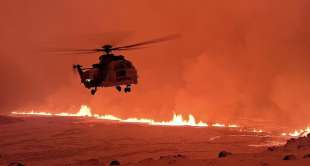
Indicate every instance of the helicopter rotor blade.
{"type": "Point", "coordinates": [76, 51]}
{"type": "Point", "coordinates": [130, 48]}
{"type": "Point", "coordinates": [108, 48]}
{"type": "Point", "coordinates": [89, 52]}
{"type": "Point", "coordinates": [162, 39]}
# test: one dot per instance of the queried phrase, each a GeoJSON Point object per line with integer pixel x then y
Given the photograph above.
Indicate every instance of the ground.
{"type": "Point", "coordinates": [73, 141]}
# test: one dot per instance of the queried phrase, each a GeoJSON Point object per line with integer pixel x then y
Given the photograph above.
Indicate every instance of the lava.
{"type": "Point", "coordinates": [298, 133]}
{"type": "Point", "coordinates": [177, 119]}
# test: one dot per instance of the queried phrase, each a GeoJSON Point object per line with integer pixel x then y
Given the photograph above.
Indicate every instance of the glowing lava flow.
{"type": "Point", "coordinates": [298, 133]}
{"type": "Point", "coordinates": [177, 120]}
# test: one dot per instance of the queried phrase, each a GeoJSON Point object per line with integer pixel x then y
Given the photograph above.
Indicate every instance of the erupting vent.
{"type": "Point", "coordinates": [177, 120]}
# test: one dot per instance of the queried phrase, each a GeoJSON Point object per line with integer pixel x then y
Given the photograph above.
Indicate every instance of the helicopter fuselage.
{"type": "Point", "coordinates": [110, 71]}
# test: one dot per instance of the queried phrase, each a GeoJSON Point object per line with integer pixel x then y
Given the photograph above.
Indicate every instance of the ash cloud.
{"type": "Point", "coordinates": [236, 59]}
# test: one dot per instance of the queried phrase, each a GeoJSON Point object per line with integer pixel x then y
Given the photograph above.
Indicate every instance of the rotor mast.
{"type": "Point", "coordinates": [107, 49]}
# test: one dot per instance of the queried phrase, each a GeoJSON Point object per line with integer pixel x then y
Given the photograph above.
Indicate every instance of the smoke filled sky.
{"type": "Point", "coordinates": [235, 60]}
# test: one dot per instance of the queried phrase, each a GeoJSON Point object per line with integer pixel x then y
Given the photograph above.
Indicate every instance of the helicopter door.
{"type": "Point", "coordinates": [121, 71]}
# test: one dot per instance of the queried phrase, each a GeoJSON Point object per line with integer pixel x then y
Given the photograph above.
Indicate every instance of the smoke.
{"type": "Point", "coordinates": [236, 59]}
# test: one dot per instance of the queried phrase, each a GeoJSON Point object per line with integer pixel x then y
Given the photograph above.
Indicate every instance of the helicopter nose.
{"type": "Point", "coordinates": [88, 82]}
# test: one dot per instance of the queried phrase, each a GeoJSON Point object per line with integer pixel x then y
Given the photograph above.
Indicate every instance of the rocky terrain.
{"type": "Point", "coordinates": [73, 141]}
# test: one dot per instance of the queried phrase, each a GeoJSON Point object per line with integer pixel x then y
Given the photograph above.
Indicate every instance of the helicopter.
{"type": "Point", "coordinates": [112, 70]}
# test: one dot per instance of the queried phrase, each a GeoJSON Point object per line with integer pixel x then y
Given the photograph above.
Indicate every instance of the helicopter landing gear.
{"type": "Point", "coordinates": [127, 89]}
{"type": "Point", "coordinates": [93, 91]}
{"type": "Point", "coordinates": [118, 88]}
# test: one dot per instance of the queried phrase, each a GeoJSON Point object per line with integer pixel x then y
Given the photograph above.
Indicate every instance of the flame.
{"type": "Point", "coordinates": [177, 119]}
{"type": "Point", "coordinates": [84, 111]}
{"type": "Point", "coordinates": [233, 126]}
{"type": "Point", "coordinates": [257, 130]}
{"type": "Point", "coordinates": [298, 133]}
{"type": "Point", "coordinates": [218, 125]}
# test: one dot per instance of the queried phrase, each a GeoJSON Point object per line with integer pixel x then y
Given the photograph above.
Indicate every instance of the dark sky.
{"type": "Point", "coordinates": [235, 60]}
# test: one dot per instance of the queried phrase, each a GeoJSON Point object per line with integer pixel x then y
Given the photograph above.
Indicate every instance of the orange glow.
{"type": "Point", "coordinates": [218, 125]}
{"type": "Point", "coordinates": [177, 119]}
{"type": "Point", "coordinates": [233, 126]}
{"type": "Point", "coordinates": [232, 64]}
{"type": "Point", "coordinates": [257, 130]}
{"type": "Point", "coordinates": [298, 133]}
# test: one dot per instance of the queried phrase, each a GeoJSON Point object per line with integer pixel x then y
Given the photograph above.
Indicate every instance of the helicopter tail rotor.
{"type": "Point", "coordinates": [77, 68]}
{"type": "Point", "coordinates": [74, 68]}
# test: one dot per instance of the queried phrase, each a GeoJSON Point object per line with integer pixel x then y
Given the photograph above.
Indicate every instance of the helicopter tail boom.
{"type": "Point", "coordinates": [79, 69]}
